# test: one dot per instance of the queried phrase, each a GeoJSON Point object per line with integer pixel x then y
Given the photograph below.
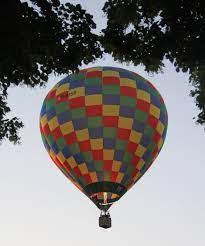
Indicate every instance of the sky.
{"type": "Point", "coordinates": [39, 206]}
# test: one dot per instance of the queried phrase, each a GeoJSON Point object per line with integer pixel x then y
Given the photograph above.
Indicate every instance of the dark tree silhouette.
{"type": "Point", "coordinates": [37, 40]}
{"type": "Point", "coordinates": [45, 37]}
{"type": "Point", "coordinates": [148, 31]}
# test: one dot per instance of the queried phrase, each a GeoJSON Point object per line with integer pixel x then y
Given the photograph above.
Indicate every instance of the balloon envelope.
{"type": "Point", "coordinates": [103, 127]}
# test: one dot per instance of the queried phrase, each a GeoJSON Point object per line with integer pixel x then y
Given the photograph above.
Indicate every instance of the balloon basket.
{"type": "Point", "coordinates": [105, 220]}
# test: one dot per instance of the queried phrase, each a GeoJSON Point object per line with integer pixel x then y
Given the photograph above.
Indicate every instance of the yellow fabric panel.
{"type": "Point", "coordinates": [116, 166]}
{"type": "Point", "coordinates": [111, 110]}
{"type": "Point", "coordinates": [160, 143]}
{"type": "Point", "coordinates": [93, 69]}
{"type": "Point", "coordinates": [62, 88]}
{"type": "Point", "coordinates": [53, 123]}
{"type": "Point", "coordinates": [52, 154]}
{"type": "Point", "coordinates": [61, 157]}
{"type": "Point", "coordinates": [93, 177]}
{"type": "Point", "coordinates": [83, 168]}
{"type": "Point", "coordinates": [160, 127]}
{"type": "Point", "coordinates": [82, 135]}
{"type": "Point", "coordinates": [93, 100]}
{"type": "Point", "coordinates": [137, 176]}
{"type": "Point", "coordinates": [110, 73]}
{"type": "Point", "coordinates": [44, 120]}
{"type": "Point", "coordinates": [71, 161]}
{"type": "Point", "coordinates": [155, 111]}
{"type": "Point", "coordinates": [128, 82]}
{"type": "Point", "coordinates": [125, 123]}
{"type": "Point", "coordinates": [96, 143]}
{"type": "Point", "coordinates": [143, 95]}
{"type": "Point", "coordinates": [108, 154]}
{"type": "Point", "coordinates": [119, 177]}
{"type": "Point", "coordinates": [67, 128]}
{"type": "Point", "coordinates": [140, 164]}
{"type": "Point", "coordinates": [114, 196]}
{"type": "Point", "coordinates": [140, 150]}
{"type": "Point", "coordinates": [135, 137]}
{"type": "Point", "coordinates": [77, 92]}
{"type": "Point", "coordinates": [107, 176]}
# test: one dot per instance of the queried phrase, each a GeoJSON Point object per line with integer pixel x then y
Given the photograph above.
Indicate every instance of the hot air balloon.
{"type": "Point", "coordinates": [103, 127]}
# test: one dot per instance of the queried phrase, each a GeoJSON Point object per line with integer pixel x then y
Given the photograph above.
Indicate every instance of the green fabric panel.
{"type": "Point", "coordinates": [93, 81]}
{"type": "Point", "coordinates": [106, 175]}
{"type": "Point", "coordinates": [154, 92]}
{"type": "Point", "coordinates": [151, 147]}
{"type": "Point", "coordinates": [50, 103]}
{"type": "Point", "coordinates": [109, 132]}
{"type": "Point", "coordinates": [82, 180]}
{"type": "Point", "coordinates": [128, 101]}
{"type": "Point", "coordinates": [141, 116]}
{"type": "Point", "coordinates": [50, 139]}
{"type": "Point", "coordinates": [94, 122]}
{"type": "Point", "coordinates": [121, 144]}
{"type": "Point", "coordinates": [61, 143]}
{"type": "Point", "coordinates": [98, 165]}
{"type": "Point", "coordinates": [127, 157]}
{"type": "Point", "coordinates": [75, 77]}
{"type": "Point", "coordinates": [74, 148]}
{"type": "Point", "coordinates": [130, 169]}
{"type": "Point", "coordinates": [149, 131]}
{"type": "Point", "coordinates": [61, 107]}
{"type": "Point", "coordinates": [111, 89]}
{"type": "Point", "coordinates": [78, 113]}
{"type": "Point", "coordinates": [87, 156]}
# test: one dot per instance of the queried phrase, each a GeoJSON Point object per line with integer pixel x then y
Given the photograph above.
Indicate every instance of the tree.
{"type": "Point", "coordinates": [36, 41]}
{"type": "Point", "coordinates": [46, 37]}
{"type": "Point", "coordinates": [148, 31]}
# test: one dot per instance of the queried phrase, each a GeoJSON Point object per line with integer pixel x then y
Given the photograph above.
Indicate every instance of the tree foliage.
{"type": "Point", "coordinates": [37, 40]}
{"type": "Point", "coordinates": [45, 37]}
{"type": "Point", "coordinates": [148, 31]}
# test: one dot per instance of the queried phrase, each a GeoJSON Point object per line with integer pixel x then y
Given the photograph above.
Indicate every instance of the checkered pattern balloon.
{"type": "Point", "coordinates": [103, 127]}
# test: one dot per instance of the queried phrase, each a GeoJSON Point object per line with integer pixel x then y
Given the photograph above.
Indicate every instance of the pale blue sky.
{"type": "Point", "coordinates": [39, 206]}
